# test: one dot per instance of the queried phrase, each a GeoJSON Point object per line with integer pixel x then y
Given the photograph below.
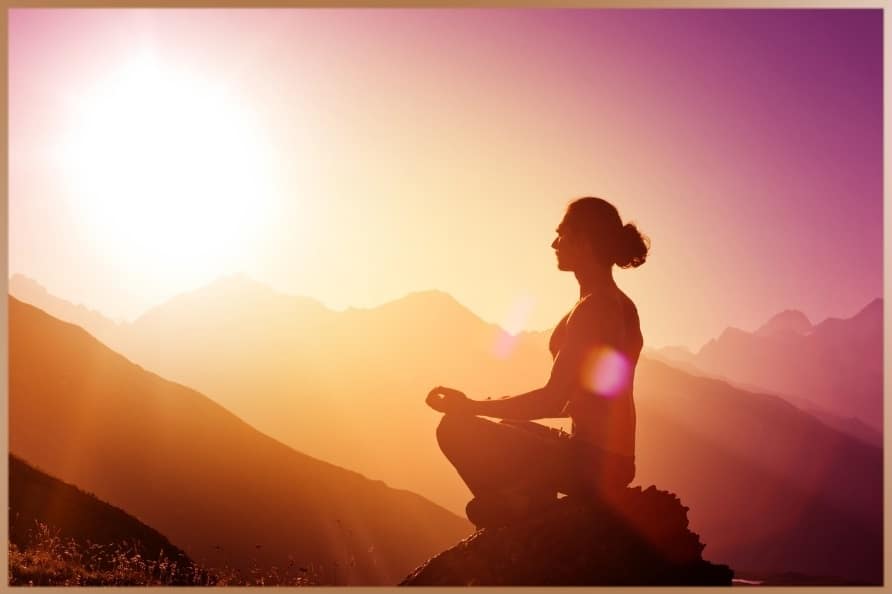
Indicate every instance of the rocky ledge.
{"type": "Point", "coordinates": [638, 538]}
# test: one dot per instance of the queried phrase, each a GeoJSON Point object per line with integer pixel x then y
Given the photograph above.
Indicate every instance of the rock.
{"type": "Point", "coordinates": [638, 538]}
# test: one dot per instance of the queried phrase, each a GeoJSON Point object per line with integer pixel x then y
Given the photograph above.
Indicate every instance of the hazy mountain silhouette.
{"type": "Point", "coordinates": [770, 488]}
{"type": "Point", "coordinates": [320, 370]}
{"type": "Point", "coordinates": [191, 469]}
{"type": "Point", "coordinates": [836, 365]}
{"type": "Point", "coordinates": [34, 496]}
{"type": "Point", "coordinates": [30, 291]}
{"type": "Point", "coordinates": [787, 322]}
{"type": "Point", "coordinates": [848, 425]}
{"type": "Point", "coordinates": [681, 358]}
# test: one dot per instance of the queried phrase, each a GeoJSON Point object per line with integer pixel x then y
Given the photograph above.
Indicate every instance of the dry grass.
{"type": "Point", "coordinates": [50, 560]}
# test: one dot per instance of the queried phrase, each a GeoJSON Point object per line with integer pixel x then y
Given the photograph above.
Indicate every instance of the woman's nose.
{"type": "Point", "coordinates": [554, 243]}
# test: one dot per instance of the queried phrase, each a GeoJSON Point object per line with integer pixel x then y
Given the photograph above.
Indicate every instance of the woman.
{"type": "Point", "coordinates": [516, 466]}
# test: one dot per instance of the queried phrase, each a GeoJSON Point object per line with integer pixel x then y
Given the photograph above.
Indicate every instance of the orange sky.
{"type": "Point", "coordinates": [354, 156]}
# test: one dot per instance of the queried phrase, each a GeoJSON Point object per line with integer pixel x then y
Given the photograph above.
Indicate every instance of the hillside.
{"type": "Point", "coordinates": [35, 497]}
{"type": "Point", "coordinates": [222, 490]}
{"type": "Point", "coordinates": [800, 487]}
{"type": "Point", "coordinates": [771, 489]}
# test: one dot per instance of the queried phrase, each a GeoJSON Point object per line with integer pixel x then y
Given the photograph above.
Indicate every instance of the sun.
{"type": "Point", "coordinates": [167, 171]}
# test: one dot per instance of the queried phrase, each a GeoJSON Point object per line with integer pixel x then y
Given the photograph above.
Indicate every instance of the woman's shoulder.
{"type": "Point", "coordinates": [610, 310]}
{"type": "Point", "coordinates": [599, 309]}
{"type": "Point", "coordinates": [610, 301]}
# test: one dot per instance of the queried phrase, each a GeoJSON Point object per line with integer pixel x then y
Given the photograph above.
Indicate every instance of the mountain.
{"type": "Point", "coordinates": [848, 425]}
{"type": "Point", "coordinates": [30, 291]}
{"type": "Point", "coordinates": [771, 489]}
{"type": "Point", "coordinates": [836, 366]}
{"type": "Point", "coordinates": [183, 464]}
{"type": "Point", "coordinates": [361, 373]}
{"type": "Point", "coordinates": [787, 322]}
{"type": "Point", "coordinates": [34, 496]}
{"type": "Point", "coordinates": [681, 358]}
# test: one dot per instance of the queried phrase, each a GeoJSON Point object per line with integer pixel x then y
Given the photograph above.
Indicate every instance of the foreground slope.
{"type": "Point", "coordinates": [35, 496]}
{"type": "Point", "coordinates": [213, 484]}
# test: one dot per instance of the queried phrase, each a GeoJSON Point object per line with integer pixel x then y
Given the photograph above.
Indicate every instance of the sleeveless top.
{"type": "Point", "coordinates": [603, 411]}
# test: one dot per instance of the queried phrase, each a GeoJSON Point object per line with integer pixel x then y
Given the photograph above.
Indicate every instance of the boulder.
{"type": "Point", "coordinates": [636, 538]}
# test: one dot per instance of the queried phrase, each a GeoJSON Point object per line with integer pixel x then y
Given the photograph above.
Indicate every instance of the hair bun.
{"type": "Point", "coordinates": [632, 247]}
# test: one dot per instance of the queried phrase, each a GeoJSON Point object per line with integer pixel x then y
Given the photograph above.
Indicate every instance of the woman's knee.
{"type": "Point", "coordinates": [456, 433]}
{"type": "Point", "coordinates": [449, 430]}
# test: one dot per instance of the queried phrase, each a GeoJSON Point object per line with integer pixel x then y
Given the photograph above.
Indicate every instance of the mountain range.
{"type": "Point", "coordinates": [833, 369]}
{"type": "Point", "coordinates": [183, 464]}
{"type": "Point", "coordinates": [771, 487]}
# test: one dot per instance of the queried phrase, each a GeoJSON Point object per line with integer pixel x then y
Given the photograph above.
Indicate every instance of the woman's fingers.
{"type": "Point", "coordinates": [450, 392]}
{"type": "Point", "coordinates": [443, 399]}
{"type": "Point", "coordinates": [434, 400]}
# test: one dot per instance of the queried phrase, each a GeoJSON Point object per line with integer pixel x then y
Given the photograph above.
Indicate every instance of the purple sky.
{"type": "Point", "coordinates": [746, 143]}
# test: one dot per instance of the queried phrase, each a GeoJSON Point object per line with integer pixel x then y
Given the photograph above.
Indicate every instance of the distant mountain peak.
{"type": "Point", "coordinates": [22, 278]}
{"type": "Point", "coordinates": [874, 308]}
{"type": "Point", "coordinates": [238, 281]}
{"type": "Point", "coordinates": [424, 299]}
{"type": "Point", "coordinates": [790, 321]}
{"type": "Point", "coordinates": [28, 290]}
{"type": "Point", "coordinates": [20, 283]}
{"type": "Point", "coordinates": [431, 295]}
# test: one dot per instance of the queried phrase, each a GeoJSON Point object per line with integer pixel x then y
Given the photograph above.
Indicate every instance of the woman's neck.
{"type": "Point", "coordinates": [595, 280]}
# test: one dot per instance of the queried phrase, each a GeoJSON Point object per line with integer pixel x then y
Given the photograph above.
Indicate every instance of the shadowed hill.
{"type": "Point", "coordinates": [223, 491]}
{"type": "Point", "coordinates": [769, 487]}
{"type": "Point", "coordinates": [37, 497]}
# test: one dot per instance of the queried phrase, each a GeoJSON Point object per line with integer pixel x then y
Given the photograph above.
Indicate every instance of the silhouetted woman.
{"type": "Point", "coordinates": [516, 466]}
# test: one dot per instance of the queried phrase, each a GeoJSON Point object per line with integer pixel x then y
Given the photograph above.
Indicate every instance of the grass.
{"type": "Point", "coordinates": [49, 560]}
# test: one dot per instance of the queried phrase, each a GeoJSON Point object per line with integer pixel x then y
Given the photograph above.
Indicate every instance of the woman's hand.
{"type": "Point", "coordinates": [449, 400]}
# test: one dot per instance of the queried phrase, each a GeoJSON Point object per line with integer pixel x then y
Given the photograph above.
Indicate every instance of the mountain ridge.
{"type": "Point", "coordinates": [392, 362]}
{"type": "Point", "coordinates": [138, 447]}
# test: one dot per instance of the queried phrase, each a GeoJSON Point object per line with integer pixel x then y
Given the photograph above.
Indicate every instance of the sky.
{"type": "Point", "coordinates": [356, 155]}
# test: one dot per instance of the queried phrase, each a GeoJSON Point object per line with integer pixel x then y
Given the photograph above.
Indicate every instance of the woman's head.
{"type": "Point", "coordinates": [592, 228]}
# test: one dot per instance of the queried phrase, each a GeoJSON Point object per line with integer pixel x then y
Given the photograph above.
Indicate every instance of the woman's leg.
{"type": "Point", "coordinates": [494, 457]}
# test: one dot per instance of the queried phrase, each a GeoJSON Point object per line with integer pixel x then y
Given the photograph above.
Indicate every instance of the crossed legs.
{"type": "Point", "coordinates": [511, 468]}
{"type": "Point", "coordinates": [515, 467]}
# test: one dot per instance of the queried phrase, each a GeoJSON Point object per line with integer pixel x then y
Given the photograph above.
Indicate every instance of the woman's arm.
{"type": "Point", "coordinates": [585, 326]}
{"type": "Point", "coordinates": [542, 403]}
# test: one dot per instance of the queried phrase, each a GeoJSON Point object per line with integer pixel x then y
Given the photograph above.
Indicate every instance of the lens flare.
{"type": "Point", "coordinates": [505, 344]}
{"type": "Point", "coordinates": [606, 372]}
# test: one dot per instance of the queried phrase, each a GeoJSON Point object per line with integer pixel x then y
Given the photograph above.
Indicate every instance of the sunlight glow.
{"type": "Point", "coordinates": [168, 168]}
{"type": "Point", "coordinates": [514, 323]}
